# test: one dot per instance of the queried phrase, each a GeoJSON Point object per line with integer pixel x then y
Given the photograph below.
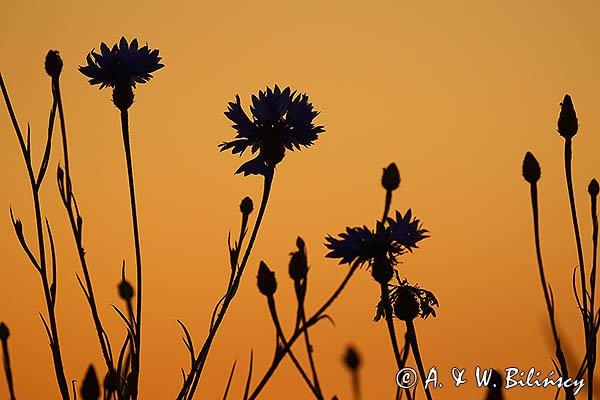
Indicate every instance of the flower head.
{"type": "Point", "coordinates": [280, 120]}
{"type": "Point", "coordinates": [124, 63]}
{"type": "Point", "coordinates": [386, 242]}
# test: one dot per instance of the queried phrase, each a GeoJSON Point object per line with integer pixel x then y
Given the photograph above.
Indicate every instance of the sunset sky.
{"type": "Point", "coordinates": [454, 92]}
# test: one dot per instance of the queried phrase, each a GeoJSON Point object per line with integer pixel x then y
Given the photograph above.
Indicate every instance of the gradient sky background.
{"type": "Point", "coordinates": [454, 92]}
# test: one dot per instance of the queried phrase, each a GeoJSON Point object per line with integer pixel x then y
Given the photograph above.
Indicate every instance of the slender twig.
{"type": "Point", "coordinates": [49, 297]}
{"type": "Point", "coordinates": [75, 221]}
{"type": "Point", "coordinates": [279, 331]}
{"type": "Point", "coordinates": [309, 349]}
{"type": "Point", "coordinates": [138, 254]}
{"type": "Point", "coordinates": [385, 298]}
{"type": "Point", "coordinates": [591, 351]}
{"type": "Point", "coordinates": [547, 294]}
{"type": "Point", "coordinates": [412, 338]}
{"type": "Point", "coordinates": [189, 387]}
{"type": "Point", "coordinates": [310, 322]}
{"type": "Point", "coordinates": [7, 368]}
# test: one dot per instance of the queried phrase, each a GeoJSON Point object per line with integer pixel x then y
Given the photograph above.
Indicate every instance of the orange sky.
{"type": "Point", "coordinates": [455, 94]}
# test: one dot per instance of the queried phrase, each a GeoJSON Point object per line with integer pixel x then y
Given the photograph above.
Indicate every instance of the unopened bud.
{"type": "Point", "coordinates": [125, 290]}
{"type": "Point", "coordinates": [352, 359]}
{"type": "Point", "coordinates": [567, 120]}
{"type": "Point", "coordinates": [53, 63]}
{"type": "Point", "coordinates": [406, 306]}
{"type": "Point", "coordinates": [298, 263]}
{"type": "Point", "coordinates": [4, 332]}
{"type": "Point", "coordinates": [391, 177]}
{"type": "Point", "coordinates": [246, 206]}
{"type": "Point", "coordinates": [593, 188]}
{"type": "Point", "coordinates": [90, 390]}
{"type": "Point", "coordinates": [531, 168]}
{"type": "Point", "coordinates": [267, 284]}
{"type": "Point", "coordinates": [111, 382]}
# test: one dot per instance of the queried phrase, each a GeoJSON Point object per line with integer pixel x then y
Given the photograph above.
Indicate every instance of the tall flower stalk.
{"type": "Point", "coordinates": [121, 68]}
{"type": "Point", "coordinates": [280, 121]}
{"type": "Point", "coordinates": [45, 268]}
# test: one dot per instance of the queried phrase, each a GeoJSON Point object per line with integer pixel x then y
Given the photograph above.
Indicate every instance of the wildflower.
{"type": "Point", "coordinates": [409, 302]}
{"type": "Point", "coordinates": [567, 120]}
{"type": "Point", "coordinates": [391, 177]}
{"type": "Point", "coordinates": [531, 168]}
{"type": "Point", "coordinates": [124, 62]}
{"type": "Point", "coordinates": [121, 68]}
{"type": "Point", "coordinates": [53, 63]}
{"type": "Point", "coordinates": [387, 242]}
{"type": "Point", "coordinates": [267, 284]}
{"type": "Point", "coordinates": [280, 120]}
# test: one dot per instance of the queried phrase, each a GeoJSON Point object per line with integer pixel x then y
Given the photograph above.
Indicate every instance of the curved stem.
{"type": "Point", "coordinates": [549, 302]}
{"type": "Point", "coordinates": [390, 324]}
{"type": "Point", "coordinates": [279, 331]}
{"type": "Point", "coordinates": [7, 369]}
{"type": "Point", "coordinates": [311, 321]}
{"type": "Point", "coordinates": [309, 349]}
{"type": "Point", "coordinates": [138, 255]}
{"type": "Point", "coordinates": [412, 334]}
{"type": "Point", "coordinates": [189, 387]}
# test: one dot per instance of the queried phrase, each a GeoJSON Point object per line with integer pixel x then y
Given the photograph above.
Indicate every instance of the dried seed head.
{"type": "Point", "coordinates": [246, 206]}
{"type": "Point", "coordinates": [531, 169]}
{"type": "Point", "coordinates": [125, 290]}
{"type": "Point", "coordinates": [352, 359]}
{"type": "Point", "coordinates": [4, 332]}
{"type": "Point", "coordinates": [567, 120]}
{"type": "Point", "coordinates": [593, 188]}
{"type": "Point", "coordinates": [391, 177]}
{"type": "Point", "coordinates": [406, 306]}
{"type": "Point", "coordinates": [53, 63]}
{"type": "Point", "coordinates": [267, 284]}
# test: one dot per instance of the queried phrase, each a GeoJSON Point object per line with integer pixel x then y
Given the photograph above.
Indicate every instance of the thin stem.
{"type": "Point", "coordinates": [67, 199]}
{"type": "Point", "coordinates": [7, 369]}
{"type": "Point", "coordinates": [311, 321]}
{"type": "Point", "coordinates": [281, 336]}
{"type": "Point", "coordinates": [569, 178]}
{"type": "Point", "coordinates": [309, 350]}
{"type": "Point", "coordinates": [385, 298]}
{"type": "Point", "coordinates": [48, 294]}
{"type": "Point", "coordinates": [189, 387]}
{"type": "Point", "coordinates": [138, 254]}
{"type": "Point", "coordinates": [355, 385]}
{"type": "Point", "coordinates": [591, 351]}
{"type": "Point", "coordinates": [549, 302]}
{"type": "Point", "coordinates": [412, 335]}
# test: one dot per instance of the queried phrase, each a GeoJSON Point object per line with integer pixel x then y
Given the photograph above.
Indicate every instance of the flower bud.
{"type": "Point", "coordinates": [531, 168]}
{"type": "Point", "coordinates": [53, 63]}
{"type": "Point", "coordinates": [382, 269]}
{"type": "Point", "coordinates": [111, 382]}
{"type": "Point", "coordinates": [391, 177]}
{"type": "Point", "coordinates": [4, 332]}
{"type": "Point", "coordinates": [246, 206]}
{"type": "Point", "coordinates": [593, 188]}
{"type": "Point", "coordinates": [352, 359]}
{"type": "Point", "coordinates": [267, 284]}
{"type": "Point", "coordinates": [567, 120]}
{"type": "Point", "coordinates": [125, 290]}
{"type": "Point", "coordinates": [298, 263]}
{"type": "Point", "coordinates": [406, 306]}
{"type": "Point", "coordinates": [90, 390]}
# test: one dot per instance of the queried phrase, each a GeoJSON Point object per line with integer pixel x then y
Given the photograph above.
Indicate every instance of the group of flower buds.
{"type": "Point", "coordinates": [298, 269]}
